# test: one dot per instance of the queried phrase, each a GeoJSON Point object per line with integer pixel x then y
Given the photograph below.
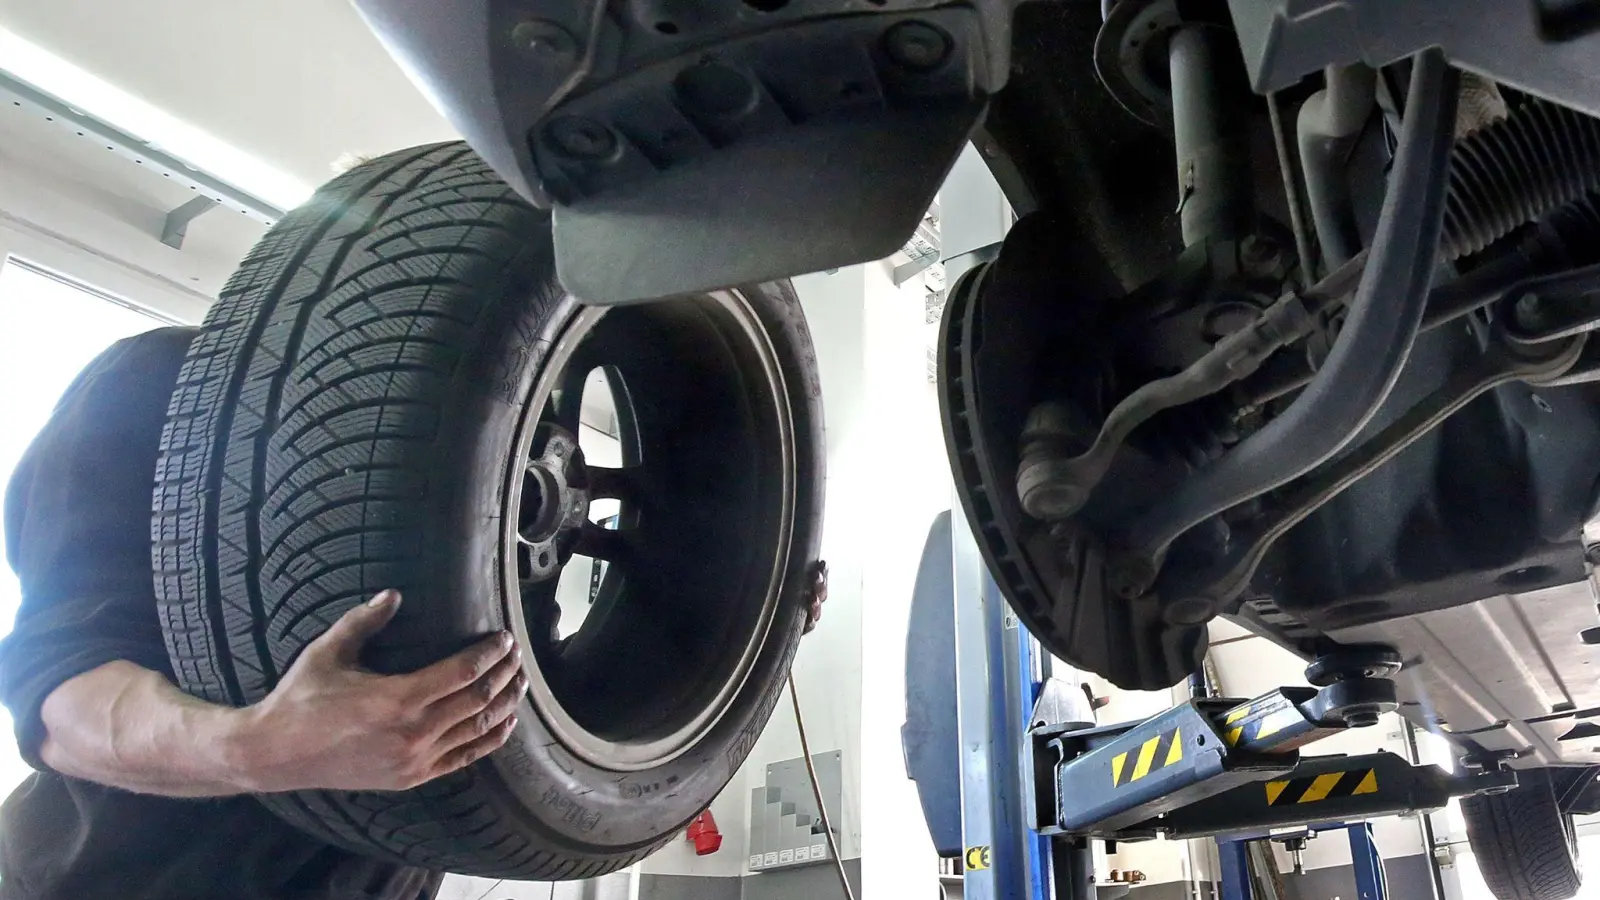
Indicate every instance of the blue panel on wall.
{"type": "Point", "coordinates": [929, 736]}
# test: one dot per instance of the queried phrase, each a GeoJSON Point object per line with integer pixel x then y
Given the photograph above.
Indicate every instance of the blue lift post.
{"type": "Point", "coordinates": [1030, 678]}
{"type": "Point", "coordinates": [1000, 674]}
{"type": "Point", "coordinates": [1368, 865]}
{"type": "Point", "coordinates": [993, 833]}
{"type": "Point", "coordinates": [1234, 855]}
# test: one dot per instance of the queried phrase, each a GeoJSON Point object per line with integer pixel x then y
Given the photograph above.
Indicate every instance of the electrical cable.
{"type": "Point", "coordinates": [816, 791]}
{"type": "Point", "coordinates": [1291, 193]}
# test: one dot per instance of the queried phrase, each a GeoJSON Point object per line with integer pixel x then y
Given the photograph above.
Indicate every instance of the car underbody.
{"type": "Point", "coordinates": [1292, 328]}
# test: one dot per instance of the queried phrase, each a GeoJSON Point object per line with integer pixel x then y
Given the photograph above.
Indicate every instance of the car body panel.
{"type": "Point", "coordinates": [1509, 673]}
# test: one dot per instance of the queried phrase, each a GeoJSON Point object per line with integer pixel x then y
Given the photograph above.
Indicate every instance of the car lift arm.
{"type": "Point", "coordinates": [1217, 766]}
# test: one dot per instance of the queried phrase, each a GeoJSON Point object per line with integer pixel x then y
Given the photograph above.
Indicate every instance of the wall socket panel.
{"type": "Point", "coordinates": [785, 829]}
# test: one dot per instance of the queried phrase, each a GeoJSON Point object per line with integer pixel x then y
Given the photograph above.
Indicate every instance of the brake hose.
{"type": "Point", "coordinates": [1366, 360]}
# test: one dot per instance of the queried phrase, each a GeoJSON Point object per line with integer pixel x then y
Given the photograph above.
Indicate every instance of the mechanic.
{"type": "Point", "coordinates": [143, 792]}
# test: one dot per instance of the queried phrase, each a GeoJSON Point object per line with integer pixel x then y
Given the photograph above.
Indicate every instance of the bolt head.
{"type": "Point", "coordinates": [1052, 501]}
{"type": "Point", "coordinates": [1132, 578]}
{"type": "Point", "coordinates": [917, 46]}
{"type": "Point", "coordinates": [1361, 718]}
{"type": "Point", "coordinates": [582, 138]}
{"type": "Point", "coordinates": [545, 41]}
{"type": "Point", "coordinates": [1528, 312]}
{"type": "Point", "coordinates": [1259, 255]}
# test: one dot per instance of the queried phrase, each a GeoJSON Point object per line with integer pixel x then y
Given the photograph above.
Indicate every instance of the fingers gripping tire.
{"type": "Point", "coordinates": [346, 422]}
{"type": "Point", "coordinates": [1525, 845]}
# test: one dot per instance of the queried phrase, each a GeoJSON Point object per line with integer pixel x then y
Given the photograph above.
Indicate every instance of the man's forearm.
{"type": "Point", "coordinates": [128, 727]}
{"type": "Point", "coordinates": [328, 724]}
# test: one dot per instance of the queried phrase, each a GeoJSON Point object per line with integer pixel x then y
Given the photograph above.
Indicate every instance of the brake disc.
{"type": "Point", "coordinates": [1000, 321]}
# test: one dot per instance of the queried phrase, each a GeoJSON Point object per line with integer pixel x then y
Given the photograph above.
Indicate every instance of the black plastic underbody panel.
{"type": "Point", "coordinates": [690, 145]}
{"type": "Point", "coordinates": [1493, 501]}
{"type": "Point", "coordinates": [1544, 47]}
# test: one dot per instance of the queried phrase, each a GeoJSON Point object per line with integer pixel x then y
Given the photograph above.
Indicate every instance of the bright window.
{"type": "Point", "coordinates": [50, 328]}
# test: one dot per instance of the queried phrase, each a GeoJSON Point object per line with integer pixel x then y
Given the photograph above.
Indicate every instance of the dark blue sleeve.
{"type": "Point", "coordinates": [77, 527]}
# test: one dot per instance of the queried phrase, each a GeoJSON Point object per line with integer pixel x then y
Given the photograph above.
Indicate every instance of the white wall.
{"type": "Point", "coordinates": [828, 668]}
{"type": "Point", "coordinates": [909, 485]}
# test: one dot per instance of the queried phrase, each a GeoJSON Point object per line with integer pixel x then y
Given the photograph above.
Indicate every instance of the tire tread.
{"type": "Point", "coordinates": [313, 340]}
{"type": "Point", "coordinates": [1520, 839]}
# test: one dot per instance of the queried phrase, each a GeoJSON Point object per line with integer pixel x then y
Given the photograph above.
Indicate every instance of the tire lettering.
{"type": "Point", "coordinates": [571, 811]}
{"type": "Point", "coordinates": [518, 760]}
{"type": "Point", "coordinates": [741, 747]}
{"type": "Point", "coordinates": [633, 791]}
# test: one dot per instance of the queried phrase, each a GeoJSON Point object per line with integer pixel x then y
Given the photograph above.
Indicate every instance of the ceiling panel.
{"type": "Point", "coordinates": [296, 83]}
{"type": "Point", "coordinates": [50, 177]}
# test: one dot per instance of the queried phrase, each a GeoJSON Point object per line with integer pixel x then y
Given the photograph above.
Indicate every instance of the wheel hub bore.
{"type": "Point", "coordinates": [554, 501]}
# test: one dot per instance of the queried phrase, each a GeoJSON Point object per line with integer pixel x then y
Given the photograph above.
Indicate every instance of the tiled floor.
{"type": "Point", "coordinates": [462, 887]}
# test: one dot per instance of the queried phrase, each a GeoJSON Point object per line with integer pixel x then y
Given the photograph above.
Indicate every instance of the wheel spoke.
{"type": "Point", "coordinates": [616, 484]}
{"type": "Point", "coordinates": [602, 543]}
{"type": "Point", "coordinates": [536, 563]}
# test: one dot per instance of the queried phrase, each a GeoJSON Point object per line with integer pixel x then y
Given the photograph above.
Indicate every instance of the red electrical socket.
{"type": "Point", "coordinates": [703, 831]}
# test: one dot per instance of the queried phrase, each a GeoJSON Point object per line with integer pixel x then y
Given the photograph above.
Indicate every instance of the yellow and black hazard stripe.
{"type": "Point", "coordinates": [1154, 754]}
{"type": "Point", "coordinates": [1271, 724]}
{"type": "Point", "coordinates": [1315, 788]}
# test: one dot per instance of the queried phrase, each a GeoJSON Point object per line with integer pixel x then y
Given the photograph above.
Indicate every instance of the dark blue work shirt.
{"type": "Point", "coordinates": [77, 525]}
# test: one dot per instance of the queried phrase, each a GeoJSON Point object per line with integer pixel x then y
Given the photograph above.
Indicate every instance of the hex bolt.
{"type": "Point", "coordinates": [1259, 254]}
{"type": "Point", "coordinates": [1528, 312]}
{"type": "Point", "coordinates": [545, 41]}
{"type": "Point", "coordinates": [917, 46]}
{"type": "Point", "coordinates": [1361, 718]}
{"type": "Point", "coordinates": [581, 138]}
{"type": "Point", "coordinates": [1131, 578]}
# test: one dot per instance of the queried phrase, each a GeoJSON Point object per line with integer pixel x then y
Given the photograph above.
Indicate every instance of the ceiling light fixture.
{"type": "Point", "coordinates": [89, 93]}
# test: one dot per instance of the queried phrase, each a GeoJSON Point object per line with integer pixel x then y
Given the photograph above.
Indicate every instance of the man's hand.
{"type": "Point", "coordinates": [329, 724]}
{"type": "Point", "coordinates": [817, 594]}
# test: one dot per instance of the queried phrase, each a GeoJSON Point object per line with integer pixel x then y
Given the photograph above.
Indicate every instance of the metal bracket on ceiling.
{"type": "Point", "coordinates": [906, 271]}
{"type": "Point", "coordinates": [24, 97]}
{"type": "Point", "coordinates": [921, 250]}
{"type": "Point", "coordinates": [176, 227]}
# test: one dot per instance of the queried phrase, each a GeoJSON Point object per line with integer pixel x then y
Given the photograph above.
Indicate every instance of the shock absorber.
{"type": "Point", "coordinates": [1211, 133]}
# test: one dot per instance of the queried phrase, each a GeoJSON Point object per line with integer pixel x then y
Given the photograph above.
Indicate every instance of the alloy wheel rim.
{"type": "Point", "coordinates": [695, 566]}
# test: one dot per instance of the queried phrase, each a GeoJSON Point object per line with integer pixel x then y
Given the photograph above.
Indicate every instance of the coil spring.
{"type": "Point", "coordinates": [1536, 160]}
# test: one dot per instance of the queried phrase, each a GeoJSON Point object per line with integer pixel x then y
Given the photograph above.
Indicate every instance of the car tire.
{"type": "Point", "coordinates": [1524, 843]}
{"type": "Point", "coordinates": [350, 419]}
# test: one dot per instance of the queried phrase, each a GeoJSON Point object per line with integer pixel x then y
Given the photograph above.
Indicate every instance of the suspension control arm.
{"type": "Point", "coordinates": [1196, 599]}
{"type": "Point", "coordinates": [1051, 486]}
{"type": "Point", "coordinates": [1366, 360]}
